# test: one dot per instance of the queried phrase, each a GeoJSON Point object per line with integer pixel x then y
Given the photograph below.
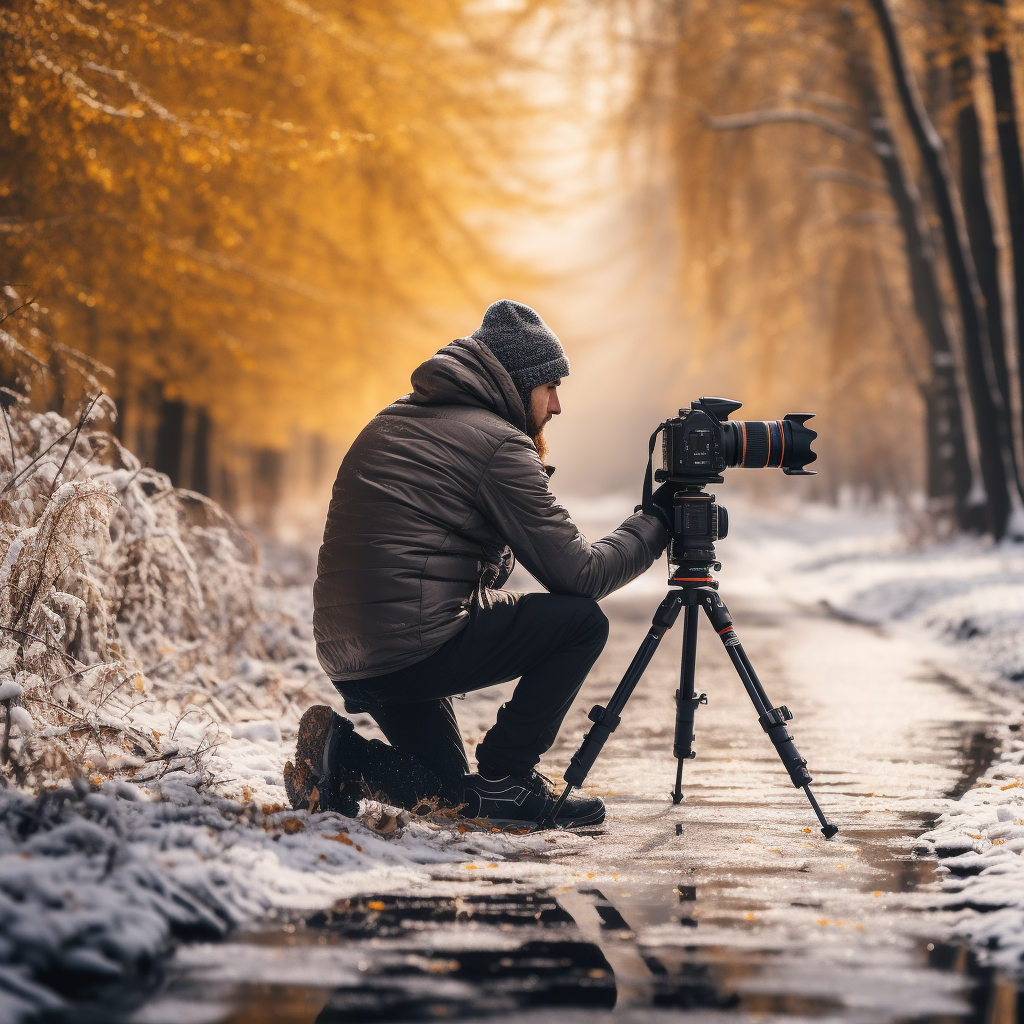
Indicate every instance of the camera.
{"type": "Point", "coordinates": [698, 445]}
{"type": "Point", "coordinates": [701, 442]}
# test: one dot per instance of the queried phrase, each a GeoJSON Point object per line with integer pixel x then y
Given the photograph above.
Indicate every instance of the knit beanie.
{"type": "Point", "coordinates": [524, 345]}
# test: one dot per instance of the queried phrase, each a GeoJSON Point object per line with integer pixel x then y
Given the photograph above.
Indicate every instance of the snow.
{"type": "Point", "coordinates": [153, 689]}
{"type": "Point", "coordinates": [155, 693]}
{"type": "Point", "coordinates": [962, 603]}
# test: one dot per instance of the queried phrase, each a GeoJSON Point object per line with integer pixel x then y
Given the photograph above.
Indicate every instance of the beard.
{"type": "Point", "coordinates": [541, 444]}
{"type": "Point", "coordinates": [536, 433]}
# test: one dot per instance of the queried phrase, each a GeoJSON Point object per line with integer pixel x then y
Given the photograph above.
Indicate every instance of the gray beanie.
{"type": "Point", "coordinates": [524, 345]}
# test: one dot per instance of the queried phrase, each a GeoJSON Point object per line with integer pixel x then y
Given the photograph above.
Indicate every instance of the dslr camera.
{"type": "Point", "coordinates": [698, 446]}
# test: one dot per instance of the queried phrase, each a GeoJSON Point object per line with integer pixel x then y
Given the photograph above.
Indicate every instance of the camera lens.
{"type": "Point", "coordinates": [784, 443]}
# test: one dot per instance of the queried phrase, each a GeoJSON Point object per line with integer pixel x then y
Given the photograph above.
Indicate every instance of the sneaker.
{"type": "Point", "coordinates": [526, 801]}
{"type": "Point", "coordinates": [317, 780]}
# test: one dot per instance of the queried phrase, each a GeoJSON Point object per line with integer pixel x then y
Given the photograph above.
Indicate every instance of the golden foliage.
{"type": "Point", "coordinates": [245, 200]}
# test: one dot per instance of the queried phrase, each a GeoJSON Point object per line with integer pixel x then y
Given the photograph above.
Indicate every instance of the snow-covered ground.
{"type": "Point", "coordinates": [963, 603]}
{"type": "Point", "coordinates": [189, 834]}
{"type": "Point", "coordinates": [152, 674]}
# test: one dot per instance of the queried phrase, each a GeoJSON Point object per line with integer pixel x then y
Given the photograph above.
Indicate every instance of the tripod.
{"type": "Point", "coordinates": [692, 588]}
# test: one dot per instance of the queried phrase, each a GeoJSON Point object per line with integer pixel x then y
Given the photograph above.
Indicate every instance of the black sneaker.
{"type": "Point", "coordinates": [317, 781]}
{"type": "Point", "coordinates": [526, 801]}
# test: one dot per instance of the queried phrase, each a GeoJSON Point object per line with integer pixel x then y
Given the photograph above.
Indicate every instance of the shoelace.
{"type": "Point", "coordinates": [543, 782]}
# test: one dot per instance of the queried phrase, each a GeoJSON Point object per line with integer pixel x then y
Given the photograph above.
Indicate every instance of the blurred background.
{"type": "Point", "coordinates": [249, 221]}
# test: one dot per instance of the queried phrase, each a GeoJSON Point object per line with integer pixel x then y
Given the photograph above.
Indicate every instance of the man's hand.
{"type": "Point", "coordinates": [660, 505]}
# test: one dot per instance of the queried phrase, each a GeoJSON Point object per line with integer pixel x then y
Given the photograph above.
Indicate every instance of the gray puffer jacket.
{"type": "Point", "coordinates": [429, 500]}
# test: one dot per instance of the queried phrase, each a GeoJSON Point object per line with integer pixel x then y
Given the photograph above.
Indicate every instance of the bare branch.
{"type": "Point", "coordinates": [148, 101]}
{"type": "Point", "coordinates": [821, 99]}
{"type": "Point", "coordinates": [81, 90]}
{"type": "Point", "coordinates": [778, 115]}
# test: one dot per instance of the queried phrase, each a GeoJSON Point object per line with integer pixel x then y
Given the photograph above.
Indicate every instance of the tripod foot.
{"type": "Point", "coordinates": [827, 830]}
{"type": "Point", "coordinates": [677, 793]}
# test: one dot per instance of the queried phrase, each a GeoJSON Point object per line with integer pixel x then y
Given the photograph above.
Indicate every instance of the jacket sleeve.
{"type": "Point", "coordinates": [514, 495]}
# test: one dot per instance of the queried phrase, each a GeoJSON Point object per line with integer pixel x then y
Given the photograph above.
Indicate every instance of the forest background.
{"type": "Point", "coordinates": [248, 221]}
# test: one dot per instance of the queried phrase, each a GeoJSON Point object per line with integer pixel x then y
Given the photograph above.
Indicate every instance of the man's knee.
{"type": "Point", "coordinates": [594, 623]}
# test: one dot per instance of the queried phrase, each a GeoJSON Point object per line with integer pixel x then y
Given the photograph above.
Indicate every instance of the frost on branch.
{"type": "Point", "coordinates": [124, 603]}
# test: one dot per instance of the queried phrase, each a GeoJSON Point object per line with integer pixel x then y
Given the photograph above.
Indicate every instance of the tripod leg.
{"type": "Point", "coordinates": [686, 702]}
{"type": "Point", "coordinates": [606, 720]}
{"type": "Point", "coordinates": [773, 720]}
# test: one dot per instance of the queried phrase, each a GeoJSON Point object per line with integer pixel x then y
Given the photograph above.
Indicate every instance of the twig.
{"type": "Point", "coordinates": [38, 639]}
{"type": "Point", "coordinates": [17, 309]}
{"type": "Point", "coordinates": [778, 115]}
{"type": "Point", "coordinates": [82, 420]}
{"type": "Point", "coordinates": [7, 423]}
{"type": "Point", "coordinates": [10, 483]}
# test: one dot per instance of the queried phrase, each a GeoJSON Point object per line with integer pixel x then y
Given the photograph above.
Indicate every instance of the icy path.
{"type": "Point", "coordinates": [743, 909]}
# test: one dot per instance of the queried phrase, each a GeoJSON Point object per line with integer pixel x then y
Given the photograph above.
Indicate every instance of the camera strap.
{"type": "Point", "coordinates": [648, 488]}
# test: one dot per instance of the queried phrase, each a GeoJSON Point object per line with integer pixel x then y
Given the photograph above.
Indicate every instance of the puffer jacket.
{"type": "Point", "coordinates": [431, 501]}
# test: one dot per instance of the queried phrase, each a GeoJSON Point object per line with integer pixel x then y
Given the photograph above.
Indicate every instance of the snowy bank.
{"type": "Point", "coordinates": [152, 674]}
{"type": "Point", "coordinates": [97, 883]}
{"type": "Point", "coordinates": [964, 597]}
{"type": "Point", "coordinates": [980, 842]}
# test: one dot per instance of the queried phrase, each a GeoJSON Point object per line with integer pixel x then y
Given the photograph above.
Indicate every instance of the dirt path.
{"type": "Point", "coordinates": [730, 904]}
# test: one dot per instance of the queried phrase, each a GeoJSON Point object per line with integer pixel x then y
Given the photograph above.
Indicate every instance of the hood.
{"type": "Point", "coordinates": [466, 372]}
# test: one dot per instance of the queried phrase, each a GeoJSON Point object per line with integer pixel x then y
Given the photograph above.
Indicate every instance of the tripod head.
{"type": "Point", "coordinates": [697, 522]}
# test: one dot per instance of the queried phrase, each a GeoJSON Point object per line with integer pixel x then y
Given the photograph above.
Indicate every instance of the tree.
{"type": "Point", "coordinates": [805, 74]}
{"type": "Point", "coordinates": [251, 209]}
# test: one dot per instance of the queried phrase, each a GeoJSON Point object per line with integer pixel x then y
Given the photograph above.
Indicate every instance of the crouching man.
{"type": "Point", "coordinates": [432, 501]}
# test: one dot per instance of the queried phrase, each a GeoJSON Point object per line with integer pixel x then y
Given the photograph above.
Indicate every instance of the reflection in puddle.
{"type": "Point", "coordinates": [401, 982]}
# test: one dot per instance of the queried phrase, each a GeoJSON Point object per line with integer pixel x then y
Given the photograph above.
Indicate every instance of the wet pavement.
{"type": "Point", "coordinates": [730, 906]}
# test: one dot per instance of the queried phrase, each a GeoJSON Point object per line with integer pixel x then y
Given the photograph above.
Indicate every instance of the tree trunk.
{"type": "Point", "coordinates": [980, 230]}
{"type": "Point", "coordinates": [954, 468]}
{"type": "Point", "coordinates": [1001, 81]}
{"type": "Point", "coordinates": [971, 300]}
{"type": "Point", "coordinates": [169, 440]}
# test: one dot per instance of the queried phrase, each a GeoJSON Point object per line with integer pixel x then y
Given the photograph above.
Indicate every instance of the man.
{"type": "Point", "coordinates": [434, 500]}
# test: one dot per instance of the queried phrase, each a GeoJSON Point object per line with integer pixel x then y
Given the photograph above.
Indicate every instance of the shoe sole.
{"type": "Point", "coordinates": [594, 818]}
{"type": "Point", "coordinates": [301, 782]}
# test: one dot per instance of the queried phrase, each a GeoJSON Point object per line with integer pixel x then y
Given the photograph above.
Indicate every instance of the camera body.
{"type": "Point", "coordinates": [701, 442]}
{"type": "Point", "coordinates": [698, 446]}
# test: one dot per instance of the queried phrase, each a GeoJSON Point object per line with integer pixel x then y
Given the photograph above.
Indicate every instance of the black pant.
{"type": "Point", "coordinates": [548, 640]}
